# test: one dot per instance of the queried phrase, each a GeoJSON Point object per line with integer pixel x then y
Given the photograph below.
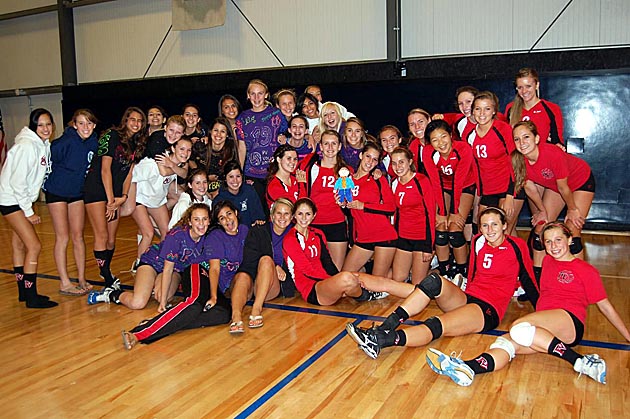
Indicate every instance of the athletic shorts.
{"type": "Point", "coordinates": [334, 233]}
{"type": "Point", "coordinates": [470, 190]}
{"type": "Point", "coordinates": [589, 185]}
{"type": "Point", "coordinates": [521, 195]}
{"type": "Point", "coordinates": [312, 296]}
{"type": "Point", "coordinates": [409, 245]}
{"type": "Point", "coordinates": [579, 329]}
{"type": "Point", "coordinates": [94, 195]}
{"type": "Point", "coordinates": [9, 209]}
{"type": "Point", "coordinates": [491, 200]}
{"type": "Point", "coordinates": [490, 317]}
{"type": "Point", "coordinates": [52, 198]}
{"type": "Point", "coordinates": [372, 246]}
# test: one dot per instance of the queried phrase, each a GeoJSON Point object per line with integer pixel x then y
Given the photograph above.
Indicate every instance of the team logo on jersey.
{"type": "Point", "coordinates": [43, 161]}
{"type": "Point", "coordinates": [526, 118]}
{"type": "Point", "coordinates": [565, 277]}
{"type": "Point", "coordinates": [483, 362]}
{"type": "Point", "coordinates": [546, 173]}
{"type": "Point", "coordinates": [559, 349]}
{"type": "Point", "coordinates": [167, 181]}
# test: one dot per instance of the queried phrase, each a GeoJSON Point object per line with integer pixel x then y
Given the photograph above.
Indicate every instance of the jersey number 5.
{"type": "Point", "coordinates": [487, 260]}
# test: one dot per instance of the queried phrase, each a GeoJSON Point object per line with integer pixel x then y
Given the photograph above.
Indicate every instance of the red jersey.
{"type": "Point", "coordinates": [547, 117]}
{"type": "Point", "coordinates": [571, 286]}
{"type": "Point", "coordinates": [495, 174]}
{"type": "Point", "coordinates": [417, 148]}
{"type": "Point", "coordinates": [462, 126]}
{"type": "Point", "coordinates": [415, 208]}
{"type": "Point", "coordinates": [453, 173]}
{"type": "Point", "coordinates": [307, 259]}
{"type": "Point", "coordinates": [554, 164]}
{"type": "Point", "coordinates": [494, 271]}
{"type": "Point", "coordinates": [373, 224]}
{"type": "Point", "coordinates": [277, 189]}
{"type": "Point", "coordinates": [320, 184]}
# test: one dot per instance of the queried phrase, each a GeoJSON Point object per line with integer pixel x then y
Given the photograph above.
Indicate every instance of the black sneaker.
{"type": "Point", "coordinates": [377, 295]}
{"type": "Point", "coordinates": [365, 338]}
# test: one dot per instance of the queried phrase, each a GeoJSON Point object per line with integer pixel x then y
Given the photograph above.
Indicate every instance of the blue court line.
{"type": "Point", "coordinates": [290, 377]}
{"type": "Point", "coordinates": [359, 317]}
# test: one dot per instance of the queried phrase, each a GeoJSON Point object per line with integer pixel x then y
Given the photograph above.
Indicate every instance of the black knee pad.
{"type": "Point", "coordinates": [576, 245]}
{"type": "Point", "coordinates": [456, 238]}
{"type": "Point", "coordinates": [441, 238]}
{"type": "Point", "coordinates": [435, 326]}
{"type": "Point", "coordinates": [534, 241]}
{"type": "Point", "coordinates": [431, 285]}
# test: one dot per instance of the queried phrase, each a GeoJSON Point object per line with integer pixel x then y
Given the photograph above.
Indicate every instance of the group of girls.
{"type": "Point", "coordinates": [410, 198]}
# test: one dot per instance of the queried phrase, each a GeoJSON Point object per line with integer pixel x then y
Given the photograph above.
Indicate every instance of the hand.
{"type": "Point", "coordinates": [282, 275]}
{"type": "Point", "coordinates": [157, 289]}
{"type": "Point", "coordinates": [574, 216]}
{"type": "Point", "coordinates": [426, 257]}
{"type": "Point", "coordinates": [258, 222]}
{"type": "Point", "coordinates": [508, 206]}
{"type": "Point", "coordinates": [34, 219]}
{"type": "Point", "coordinates": [540, 216]}
{"type": "Point", "coordinates": [162, 307]}
{"type": "Point", "coordinates": [442, 222]}
{"type": "Point", "coordinates": [282, 139]}
{"type": "Point", "coordinates": [377, 173]}
{"type": "Point", "coordinates": [300, 175]}
{"type": "Point", "coordinates": [316, 135]}
{"type": "Point", "coordinates": [358, 205]}
{"type": "Point", "coordinates": [437, 116]}
{"type": "Point", "coordinates": [210, 303]}
{"type": "Point", "coordinates": [338, 201]}
{"type": "Point", "coordinates": [458, 219]}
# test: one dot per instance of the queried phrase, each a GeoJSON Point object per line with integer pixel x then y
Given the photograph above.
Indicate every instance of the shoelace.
{"type": "Point", "coordinates": [587, 361]}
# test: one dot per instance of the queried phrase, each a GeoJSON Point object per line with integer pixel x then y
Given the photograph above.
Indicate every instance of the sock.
{"type": "Point", "coordinates": [560, 350]}
{"type": "Point", "coordinates": [103, 266]}
{"type": "Point", "coordinates": [18, 271]}
{"type": "Point", "coordinates": [537, 273]}
{"type": "Point", "coordinates": [443, 267]}
{"type": "Point", "coordinates": [462, 268]}
{"type": "Point", "coordinates": [482, 364]}
{"type": "Point", "coordinates": [388, 338]}
{"type": "Point", "coordinates": [33, 300]}
{"type": "Point", "coordinates": [114, 296]}
{"type": "Point", "coordinates": [395, 319]}
{"type": "Point", "coordinates": [365, 295]}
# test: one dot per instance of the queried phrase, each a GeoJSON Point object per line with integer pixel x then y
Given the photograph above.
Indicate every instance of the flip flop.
{"type": "Point", "coordinates": [73, 291]}
{"type": "Point", "coordinates": [88, 287]}
{"type": "Point", "coordinates": [237, 328]}
{"type": "Point", "coordinates": [129, 340]}
{"type": "Point", "coordinates": [255, 322]}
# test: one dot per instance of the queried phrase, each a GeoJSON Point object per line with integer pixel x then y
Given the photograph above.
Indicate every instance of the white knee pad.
{"type": "Point", "coordinates": [523, 334]}
{"type": "Point", "coordinates": [506, 345]}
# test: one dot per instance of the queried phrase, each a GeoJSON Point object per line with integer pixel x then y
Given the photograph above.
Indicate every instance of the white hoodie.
{"type": "Point", "coordinates": [27, 164]}
{"type": "Point", "coordinates": [151, 186]}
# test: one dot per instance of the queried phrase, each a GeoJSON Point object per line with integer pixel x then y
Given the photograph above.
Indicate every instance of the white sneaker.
{"type": "Point", "coordinates": [451, 366]}
{"type": "Point", "coordinates": [593, 366]}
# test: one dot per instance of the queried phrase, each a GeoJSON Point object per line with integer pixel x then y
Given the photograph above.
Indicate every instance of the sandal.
{"type": "Point", "coordinates": [255, 322]}
{"type": "Point", "coordinates": [73, 291]}
{"type": "Point", "coordinates": [129, 339]}
{"type": "Point", "coordinates": [237, 327]}
{"type": "Point", "coordinates": [87, 286]}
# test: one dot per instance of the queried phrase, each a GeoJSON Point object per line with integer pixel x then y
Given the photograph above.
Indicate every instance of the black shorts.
{"type": "Point", "coordinates": [491, 200]}
{"type": "Point", "coordinates": [470, 190]}
{"type": "Point", "coordinates": [94, 195]}
{"type": "Point", "coordinates": [521, 195]}
{"type": "Point", "coordinates": [334, 233]}
{"type": "Point", "coordinates": [490, 317]}
{"type": "Point", "coordinates": [372, 246]}
{"type": "Point", "coordinates": [9, 209]}
{"type": "Point", "coordinates": [312, 297]}
{"type": "Point", "coordinates": [589, 185]}
{"type": "Point", "coordinates": [52, 198]}
{"type": "Point", "coordinates": [579, 329]}
{"type": "Point", "coordinates": [409, 245]}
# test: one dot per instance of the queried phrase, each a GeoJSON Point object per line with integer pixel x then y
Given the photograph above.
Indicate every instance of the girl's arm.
{"type": "Point", "coordinates": [215, 271]}
{"type": "Point", "coordinates": [167, 275]}
{"type": "Point", "coordinates": [573, 212]}
{"type": "Point", "coordinates": [607, 309]}
{"type": "Point", "coordinates": [532, 193]}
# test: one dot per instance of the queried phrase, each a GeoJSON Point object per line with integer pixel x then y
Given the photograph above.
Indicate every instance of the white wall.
{"type": "Point", "coordinates": [15, 112]}
{"type": "Point", "coordinates": [10, 6]}
{"type": "Point", "coordinates": [451, 27]}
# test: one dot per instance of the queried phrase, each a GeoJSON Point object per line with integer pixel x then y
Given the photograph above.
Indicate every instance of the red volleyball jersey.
{"type": "Point", "coordinates": [547, 117]}
{"type": "Point", "coordinates": [492, 154]}
{"type": "Point", "coordinates": [320, 184]}
{"type": "Point", "coordinates": [277, 189]}
{"type": "Point", "coordinates": [417, 149]}
{"type": "Point", "coordinates": [415, 208]}
{"type": "Point", "coordinates": [554, 164]}
{"type": "Point", "coordinates": [307, 259]}
{"type": "Point", "coordinates": [494, 271]}
{"type": "Point", "coordinates": [454, 173]}
{"type": "Point", "coordinates": [373, 224]}
{"type": "Point", "coordinates": [571, 286]}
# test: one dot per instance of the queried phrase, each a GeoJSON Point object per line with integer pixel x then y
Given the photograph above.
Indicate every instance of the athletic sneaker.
{"type": "Point", "coordinates": [593, 366]}
{"type": "Point", "coordinates": [365, 338]}
{"type": "Point", "coordinates": [95, 297]}
{"type": "Point", "coordinates": [434, 263]}
{"type": "Point", "coordinates": [451, 366]}
{"type": "Point", "coordinates": [377, 295]}
{"type": "Point", "coordinates": [134, 266]}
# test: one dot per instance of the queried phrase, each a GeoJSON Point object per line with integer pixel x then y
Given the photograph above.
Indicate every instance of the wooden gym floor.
{"type": "Point", "coordinates": [69, 362]}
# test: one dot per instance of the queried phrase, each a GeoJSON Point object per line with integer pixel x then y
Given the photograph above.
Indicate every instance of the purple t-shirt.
{"type": "Point", "coordinates": [351, 156]}
{"type": "Point", "coordinates": [229, 250]}
{"type": "Point", "coordinates": [177, 247]}
{"type": "Point", "coordinates": [259, 131]}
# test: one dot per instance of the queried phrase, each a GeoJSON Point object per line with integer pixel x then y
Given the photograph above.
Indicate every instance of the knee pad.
{"type": "Point", "coordinates": [506, 345]}
{"type": "Point", "coordinates": [576, 245]}
{"type": "Point", "coordinates": [441, 238]}
{"type": "Point", "coordinates": [435, 326]}
{"type": "Point", "coordinates": [534, 241]}
{"type": "Point", "coordinates": [523, 334]}
{"type": "Point", "coordinates": [456, 238]}
{"type": "Point", "coordinates": [431, 285]}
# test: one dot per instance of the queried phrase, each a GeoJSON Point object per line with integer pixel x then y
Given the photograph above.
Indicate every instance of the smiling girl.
{"type": "Point", "coordinates": [283, 181]}
{"type": "Point", "coordinates": [242, 195]}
